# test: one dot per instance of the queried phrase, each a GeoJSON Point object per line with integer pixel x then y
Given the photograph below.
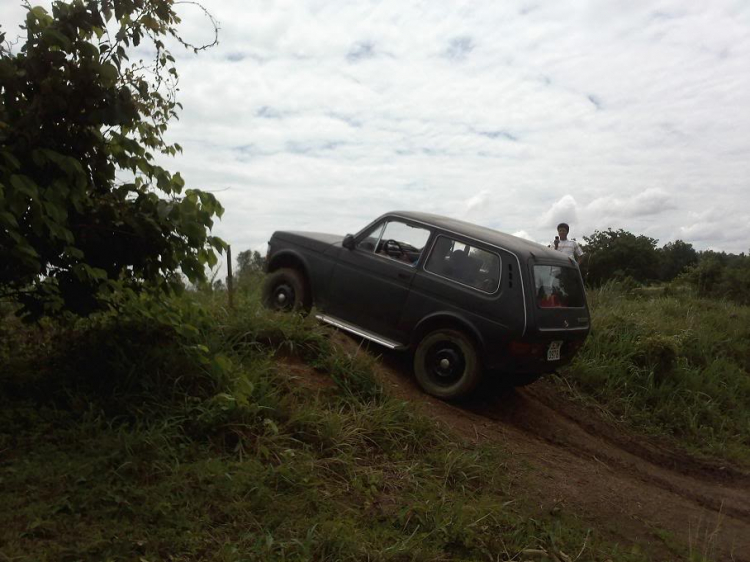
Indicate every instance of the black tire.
{"type": "Point", "coordinates": [446, 364]}
{"type": "Point", "coordinates": [286, 290]}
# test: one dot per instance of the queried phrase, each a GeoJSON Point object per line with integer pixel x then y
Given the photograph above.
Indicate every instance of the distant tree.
{"type": "Point", "coordinates": [735, 281]}
{"type": "Point", "coordinates": [674, 258]}
{"type": "Point", "coordinates": [617, 254]}
{"type": "Point", "coordinates": [721, 275]}
{"type": "Point", "coordinates": [248, 262]}
{"type": "Point", "coordinates": [83, 207]}
{"type": "Point", "coordinates": [706, 275]}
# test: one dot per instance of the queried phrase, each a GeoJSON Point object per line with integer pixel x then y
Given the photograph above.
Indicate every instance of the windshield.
{"type": "Point", "coordinates": [558, 287]}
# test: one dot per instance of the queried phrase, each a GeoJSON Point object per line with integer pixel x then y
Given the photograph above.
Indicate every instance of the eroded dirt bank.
{"type": "Point", "coordinates": [628, 487]}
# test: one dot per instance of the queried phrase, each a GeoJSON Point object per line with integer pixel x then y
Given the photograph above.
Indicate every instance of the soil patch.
{"type": "Point", "coordinates": [632, 488]}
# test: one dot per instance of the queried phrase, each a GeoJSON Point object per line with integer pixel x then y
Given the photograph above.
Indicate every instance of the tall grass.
{"type": "Point", "coordinates": [671, 364]}
{"type": "Point", "coordinates": [173, 432]}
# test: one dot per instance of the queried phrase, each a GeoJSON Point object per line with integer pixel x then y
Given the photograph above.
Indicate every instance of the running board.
{"type": "Point", "coordinates": [357, 331]}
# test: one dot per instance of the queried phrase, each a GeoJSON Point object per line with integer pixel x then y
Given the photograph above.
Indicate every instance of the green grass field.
{"type": "Point", "coordinates": [671, 365]}
{"type": "Point", "coordinates": [175, 434]}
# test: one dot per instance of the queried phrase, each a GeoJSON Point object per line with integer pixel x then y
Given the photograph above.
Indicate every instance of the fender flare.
{"type": "Point", "coordinates": [292, 259]}
{"type": "Point", "coordinates": [445, 319]}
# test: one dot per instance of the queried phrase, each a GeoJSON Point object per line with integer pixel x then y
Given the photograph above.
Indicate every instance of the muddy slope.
{"type": "Point", "coordinates": [626, 486]}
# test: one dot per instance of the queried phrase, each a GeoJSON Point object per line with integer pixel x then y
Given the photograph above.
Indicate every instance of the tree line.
{"type": "Point", "coordinates": [619, 255]}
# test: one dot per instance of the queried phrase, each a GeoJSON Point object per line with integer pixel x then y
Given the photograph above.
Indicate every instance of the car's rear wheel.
{"type": "Point", "coordinates": [446, 364]}
{"type": "Point", "coordinates": [286, 290]}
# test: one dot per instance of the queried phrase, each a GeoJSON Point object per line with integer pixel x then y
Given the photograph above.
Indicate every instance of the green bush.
{"type": "Point", "coordinates": [674, 365]}
{"type": "Point", "coordinates": [656, 354]}
{"type": "Point", "coordinates": [721, 276]}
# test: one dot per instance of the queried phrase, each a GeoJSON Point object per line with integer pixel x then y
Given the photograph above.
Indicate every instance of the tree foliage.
{"type": "Point", "coordinates": [617, 254]}
{"type": "Point", "coordinates": [721, 275]}
{"type": "Point", "coordinates": [84, 208]}
{"type": "Point", "coordinates": [249, 261]}
{"type": "Point", "coordinates": [674, 258]}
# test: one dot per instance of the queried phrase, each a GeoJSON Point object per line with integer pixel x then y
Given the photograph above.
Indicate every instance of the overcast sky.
{"type": "Point", "coordinates": [318, 115]}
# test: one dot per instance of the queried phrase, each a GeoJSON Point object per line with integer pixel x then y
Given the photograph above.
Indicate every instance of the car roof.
{"type": "Point", "coordinates": [481, 233]}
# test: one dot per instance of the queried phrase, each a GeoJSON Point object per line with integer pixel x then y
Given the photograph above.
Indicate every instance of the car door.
{"type": "Point", "coordinates": [371, 281]}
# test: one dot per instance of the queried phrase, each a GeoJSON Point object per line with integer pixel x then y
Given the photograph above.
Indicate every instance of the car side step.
{"type": "Point", "coordinates": [357, 331]}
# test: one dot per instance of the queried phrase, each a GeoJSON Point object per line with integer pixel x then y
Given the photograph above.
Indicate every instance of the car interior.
{"type": "Point", "coordinates": [463, 264]}
{"type": "Point", "coordinates": [451, 259]}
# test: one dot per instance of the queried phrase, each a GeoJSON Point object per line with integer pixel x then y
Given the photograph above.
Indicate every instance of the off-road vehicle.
{"type": "Point", "coordinates": [465, 300]}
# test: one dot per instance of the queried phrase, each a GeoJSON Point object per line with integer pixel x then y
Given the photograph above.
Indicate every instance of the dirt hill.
{"type": "Point", "coordinates": [631, 488]}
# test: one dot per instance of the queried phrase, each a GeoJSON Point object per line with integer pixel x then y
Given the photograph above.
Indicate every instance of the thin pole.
{"type": "Point", "coordinates": [230, 284]}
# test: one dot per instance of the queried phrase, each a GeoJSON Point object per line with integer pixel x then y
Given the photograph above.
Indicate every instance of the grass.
{"type": "Point", "coordinates": [671, 365]}
{"type": "Point", "coordinates": [174, 432]}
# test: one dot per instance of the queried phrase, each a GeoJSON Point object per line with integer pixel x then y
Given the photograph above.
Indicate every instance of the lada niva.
{"type": "Point", "coordinates": [465, 300]}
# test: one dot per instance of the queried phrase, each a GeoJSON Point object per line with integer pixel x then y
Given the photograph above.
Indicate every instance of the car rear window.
{"type": "Point", "coordinates": [558, 287]}
{"type": "Point", "coordinates": [465, 264]}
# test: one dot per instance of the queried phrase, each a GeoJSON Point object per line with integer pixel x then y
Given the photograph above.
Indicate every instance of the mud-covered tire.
{"type": "Point", "coordinates": [446, 364]}
{"type": "Point", "coordinates": [286, 290]}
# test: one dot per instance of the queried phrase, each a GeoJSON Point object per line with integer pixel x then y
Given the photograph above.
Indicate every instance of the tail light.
{"type": "Point", "coordinates": [522, 348]}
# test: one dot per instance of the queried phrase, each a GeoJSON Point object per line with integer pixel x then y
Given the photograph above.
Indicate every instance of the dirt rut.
{"type": "Point", "coordinates": [632, 489]}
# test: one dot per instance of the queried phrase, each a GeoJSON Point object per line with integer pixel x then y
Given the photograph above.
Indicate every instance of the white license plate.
{"type": "Point", "coordinates": [553, 351]}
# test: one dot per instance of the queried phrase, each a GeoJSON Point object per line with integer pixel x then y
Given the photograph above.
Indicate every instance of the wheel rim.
{"type": "Point", "coordinates": [282, 297]}
{"type": "Point", "coordinates": [445, 363]}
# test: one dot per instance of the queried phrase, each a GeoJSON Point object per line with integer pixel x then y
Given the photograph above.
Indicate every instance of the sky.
{"type": "Point", "coordinates": [515, 115]}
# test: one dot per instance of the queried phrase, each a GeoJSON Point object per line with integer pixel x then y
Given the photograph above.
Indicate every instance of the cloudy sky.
{"type": "Point", "coordinates": [320, 115]}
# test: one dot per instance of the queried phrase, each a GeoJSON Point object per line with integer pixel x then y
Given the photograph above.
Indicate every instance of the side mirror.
{"type": "Point", "coordinates": [348, 242]}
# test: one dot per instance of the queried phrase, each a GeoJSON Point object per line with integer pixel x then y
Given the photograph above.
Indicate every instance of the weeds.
{"type": "Point", "coordinates": [125, 437]}
{"type": "Point", "coordinates": [670, 365]}
{"type": "Point", "coordinates": [703, 536]}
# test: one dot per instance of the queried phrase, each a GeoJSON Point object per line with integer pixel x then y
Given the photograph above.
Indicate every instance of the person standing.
{"type": "Point", "coordinates": [568, 247]}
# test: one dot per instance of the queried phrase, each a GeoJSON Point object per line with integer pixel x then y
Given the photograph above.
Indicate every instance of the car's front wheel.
{"type": "Point", "coordinates": [446, 364]}
{"type": "Point", "coordinates": [286, 290]}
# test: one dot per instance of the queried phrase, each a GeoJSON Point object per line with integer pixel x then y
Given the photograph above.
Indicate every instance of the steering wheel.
{"type": "Point", "coordinates": [394, 249]}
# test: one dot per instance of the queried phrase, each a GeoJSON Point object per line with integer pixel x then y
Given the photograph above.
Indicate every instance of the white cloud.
{"type": "Point", "coordinates": [562, 210]}
{"type": "Point", "coordinates": [477, 203]}
{"type": "Point", "coordinates": [652, 201]}
{"type": "Point", "coordinates": [525, 235]}
{"type": "Point", "coordinates": [702, 231]}
{"type": "Point", "coordinates": [716, 229]}
{"type": "Point", "coordinates": [627, 114]}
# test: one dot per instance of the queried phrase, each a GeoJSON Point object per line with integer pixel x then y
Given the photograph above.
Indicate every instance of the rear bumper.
{"type": "Point", "coordinates": [533, 356]}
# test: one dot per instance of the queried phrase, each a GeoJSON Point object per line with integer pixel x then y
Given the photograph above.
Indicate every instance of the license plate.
{"type": "Point", "coordinates": [553, 351]}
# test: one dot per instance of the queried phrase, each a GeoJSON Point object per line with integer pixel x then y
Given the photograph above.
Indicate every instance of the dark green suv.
{"type": "Point", "coordinates": [467, 301]}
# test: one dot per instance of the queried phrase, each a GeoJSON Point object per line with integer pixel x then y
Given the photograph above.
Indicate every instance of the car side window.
{"type": "Point", "coordinates": [371, 238]}
{"type": "Point", "coordinates": [396, 240]}
{"type": "Point", "coordinates": [465, 264]}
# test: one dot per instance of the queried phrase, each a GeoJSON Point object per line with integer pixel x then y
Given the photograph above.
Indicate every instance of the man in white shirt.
{"type": "Point", "coordinates": [568, 247]}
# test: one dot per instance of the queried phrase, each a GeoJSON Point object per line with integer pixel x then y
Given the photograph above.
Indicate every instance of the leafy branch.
{"type": "Point", "coordinates": [73, 113]}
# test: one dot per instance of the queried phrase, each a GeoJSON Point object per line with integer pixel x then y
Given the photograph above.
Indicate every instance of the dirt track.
{"type": "Point", "coordinates": [627, 487]}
